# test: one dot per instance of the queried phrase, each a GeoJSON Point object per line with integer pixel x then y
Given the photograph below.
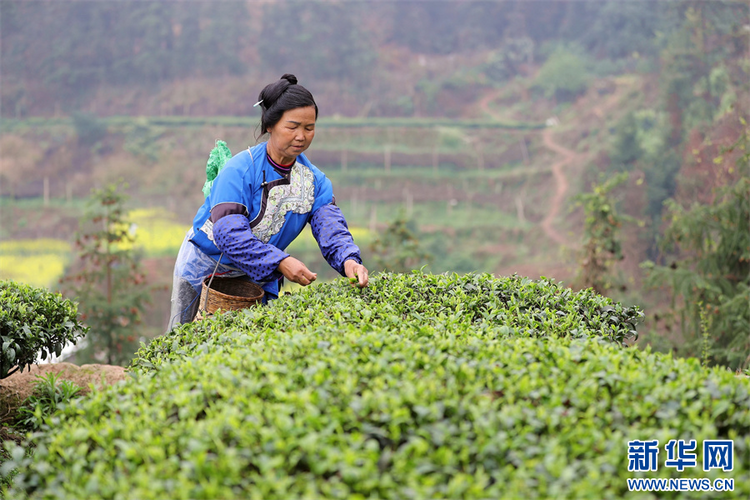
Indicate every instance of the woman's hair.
{"type": "Point", "coordinates": [281, 96]}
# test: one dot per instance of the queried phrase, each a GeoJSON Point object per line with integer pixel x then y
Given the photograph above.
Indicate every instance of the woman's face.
{"type": "Point", "coordinates": [292, 135]}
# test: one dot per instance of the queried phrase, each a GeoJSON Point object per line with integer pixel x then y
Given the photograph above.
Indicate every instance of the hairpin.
{"type": "Point", "coordinates": [257, 103]}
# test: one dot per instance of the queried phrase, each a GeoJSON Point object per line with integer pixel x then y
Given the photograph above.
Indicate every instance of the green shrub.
{"type": "Point", "coordinates": [33, 322]}
{"type": "Point", "coordinates": [47, 397]}
{"type": "Point", "coordinates": [398, 248]}
{"type": "Point", "coordinates": [420, 387]}
{"type": "Point", "coordinates": [477, 304]}
{"type": "Point", "coordinates": [89, 128]}
{"type": "Point", "coordinates": [564, 75]}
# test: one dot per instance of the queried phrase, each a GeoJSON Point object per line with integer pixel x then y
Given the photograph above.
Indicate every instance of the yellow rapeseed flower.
{"type": "Point", "coordinates": [155, 231]}
{"type": "Point", "coordinates": [37, 246]}
{"type": "Point", "coordinates": [39, 262]}
{"type": "Point", "coordinates": [306, 241]}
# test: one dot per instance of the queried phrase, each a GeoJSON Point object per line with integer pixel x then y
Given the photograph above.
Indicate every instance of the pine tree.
{"type": "Point", "coordinates": [108, 282]}
{"type": "Point", "coordinates": [710, 272]}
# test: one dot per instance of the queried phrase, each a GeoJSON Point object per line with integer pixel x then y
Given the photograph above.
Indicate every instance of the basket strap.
{"type": "Point", "coordinates": [208, 287]}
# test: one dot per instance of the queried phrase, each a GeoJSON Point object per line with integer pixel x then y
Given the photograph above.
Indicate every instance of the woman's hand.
{"type": "Point", "coordinates": [353, 269]}
{"type": "Point", "coordinates": [294, 270]}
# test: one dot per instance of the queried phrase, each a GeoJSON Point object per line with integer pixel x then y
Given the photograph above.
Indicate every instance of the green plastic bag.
{"type": "Point", "coordinates": [218, 157]}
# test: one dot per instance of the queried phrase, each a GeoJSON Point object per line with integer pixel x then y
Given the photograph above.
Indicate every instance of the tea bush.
{"type": "Point", "coordinates": [34, 322]}
{"type": "Point", "coordinates": [419, 387]}
{"type": "Point", "coordinates": [471, 305]}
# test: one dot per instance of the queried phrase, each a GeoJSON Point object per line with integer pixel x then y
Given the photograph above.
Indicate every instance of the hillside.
{"type": "Point", "coordinates": [509, 177]}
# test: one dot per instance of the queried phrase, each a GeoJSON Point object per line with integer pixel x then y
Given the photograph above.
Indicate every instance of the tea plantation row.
{"type": "Point", "coordinates": [418, 387]}
{"type": "Point", "coordinates": [469, 306]}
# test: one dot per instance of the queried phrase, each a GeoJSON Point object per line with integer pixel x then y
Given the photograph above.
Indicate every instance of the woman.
{"type": "Point", "coordinates": [259, 203]}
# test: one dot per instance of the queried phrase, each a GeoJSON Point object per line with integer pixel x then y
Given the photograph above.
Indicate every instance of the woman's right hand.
{"type": "Point", "coordinates": [294, 270]}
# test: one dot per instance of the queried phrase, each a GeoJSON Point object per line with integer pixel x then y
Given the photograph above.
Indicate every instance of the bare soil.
{"type": "Point", "coordinates": [561, 186]}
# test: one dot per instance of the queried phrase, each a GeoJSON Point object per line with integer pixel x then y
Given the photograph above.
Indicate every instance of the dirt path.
{"type": "Point", "coordinates": [561, 182]}
{"type": "Point", "coordinates": [484, 102]}
{"type": "Point", "coordinates": [559, 168]}
{"type": "Point", "coordinates": [561, 185]}
{"type": "Point", "coordinates": [561, 165]}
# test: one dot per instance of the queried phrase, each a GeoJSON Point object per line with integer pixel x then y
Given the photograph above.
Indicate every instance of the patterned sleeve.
{"type": "Point", "coordinates": [260, 261]}
{"type": "Point", "coordinates": [334, 239]}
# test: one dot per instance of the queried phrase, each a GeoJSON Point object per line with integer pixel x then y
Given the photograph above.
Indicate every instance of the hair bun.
{"type": "Point", "coordinates": [281, 96]}
{"type": "Point", "coordinates": [289, 78]}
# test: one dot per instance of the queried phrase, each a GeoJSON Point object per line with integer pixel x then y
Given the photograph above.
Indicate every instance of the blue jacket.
{"type": "Point", "coordinates": [253, 213]}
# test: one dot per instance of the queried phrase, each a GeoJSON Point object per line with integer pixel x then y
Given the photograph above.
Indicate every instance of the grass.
{"type": "Point", "coordinates": [306, 242]}
{"type": "Point", "coordinates": [37, 203]}
{"type": "Point", "coordinates": [413, 140]}
{"type": "Point", "coordinates": [477, 179]}
{"type": "Point", "coordinates": [41, 262]}
{"type": "Point", "coordinates": [464, 216]}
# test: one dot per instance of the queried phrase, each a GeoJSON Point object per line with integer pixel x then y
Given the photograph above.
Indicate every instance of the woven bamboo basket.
{"type": "Point", "coordinates": [228, 294]}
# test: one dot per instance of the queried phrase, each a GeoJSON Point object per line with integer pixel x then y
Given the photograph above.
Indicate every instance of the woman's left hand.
{"type": "Point", "coordinates": [353, 269]}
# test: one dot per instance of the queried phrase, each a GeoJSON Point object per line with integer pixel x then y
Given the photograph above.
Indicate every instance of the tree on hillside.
{"type": "Point", "coordinates": [693, 61]}
{"type": "Point", "coordinates": [343, 54]}
{"type": "Point", "coordinates": [108, 282]}
{"type": "Point", "coordinates": [70, 49]}
{"type": "Point", "coordinates": [711, 267]}
{"type": "Point", "coordinates": [626, 149]}
{"type": "Point", "coordinates": [622, 28]}
{"type": "Point", "coordinates": [398, 249]}
{"type": "Point", "coordinates": [601, 239]}
{"type": "Point", "coordinates": [564, 75]}
{"type": "Point", "coordinates": [441, 28]}
{"type": "Point", "coordinates": [640, 143]}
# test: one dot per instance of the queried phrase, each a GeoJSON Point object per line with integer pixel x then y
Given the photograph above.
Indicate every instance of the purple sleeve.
{"type": "Point", "coordinates": [258, 260]}
{"type": "Point", "coordinates": [334, 239]}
